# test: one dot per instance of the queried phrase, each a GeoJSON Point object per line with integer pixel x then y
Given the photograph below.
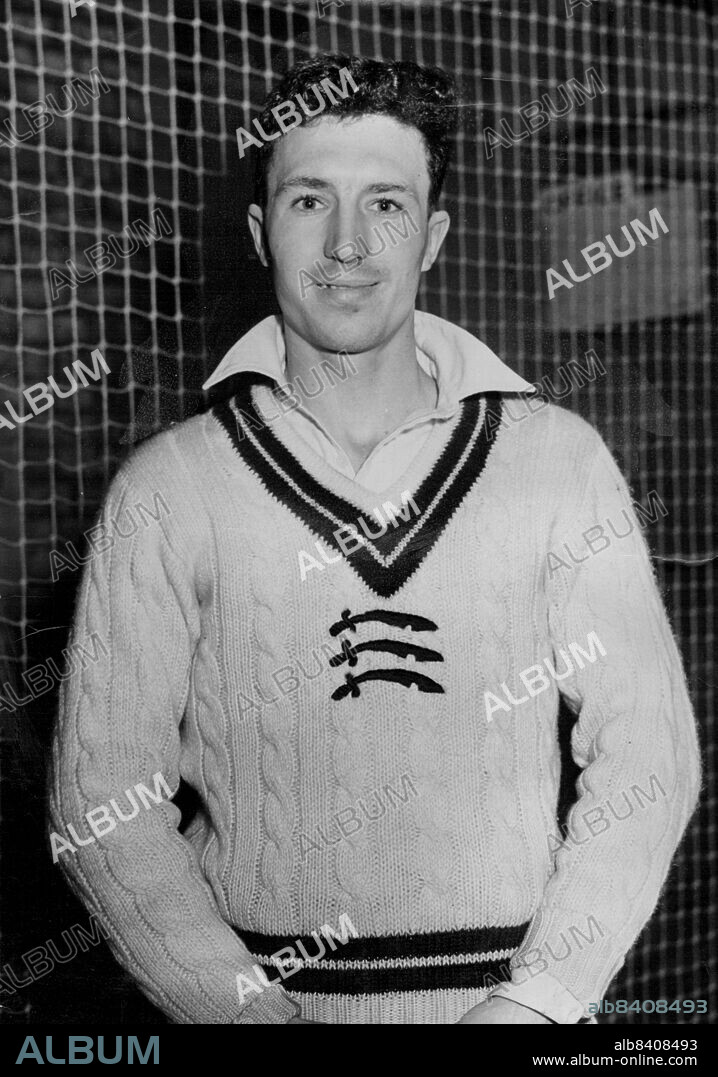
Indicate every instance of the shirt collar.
{"type": "Point", "coordinates": [461, 363]}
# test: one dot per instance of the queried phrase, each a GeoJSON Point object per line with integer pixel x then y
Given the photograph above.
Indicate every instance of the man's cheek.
{"type": "Point", "coordinates": [290, 256]}
{"type": "Point", "coordinates": [286, 264]}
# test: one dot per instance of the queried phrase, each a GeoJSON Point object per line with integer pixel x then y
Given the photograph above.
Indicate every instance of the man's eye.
{"type": "Point", "coordinates": [304, 199]}
{"type": "Point", "coordinates": [387, 204]}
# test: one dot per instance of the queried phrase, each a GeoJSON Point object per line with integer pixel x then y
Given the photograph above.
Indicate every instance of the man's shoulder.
{"type": "Point", "coordinates": [541, 425]}
{"type": "Point", "coordinates": [179, 440]}
{"type": "Point", "coordinates": [174, 459]}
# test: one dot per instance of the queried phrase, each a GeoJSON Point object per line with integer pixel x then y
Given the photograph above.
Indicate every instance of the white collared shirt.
{"type": "Point", "coordinates": [460, 364]}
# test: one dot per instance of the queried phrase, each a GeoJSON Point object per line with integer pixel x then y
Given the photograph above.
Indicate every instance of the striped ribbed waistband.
{"type": "Point", "coordinates": [327, 963]}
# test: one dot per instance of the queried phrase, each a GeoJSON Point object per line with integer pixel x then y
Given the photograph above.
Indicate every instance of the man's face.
{"type": "Point", "coordinates": [337, 191]}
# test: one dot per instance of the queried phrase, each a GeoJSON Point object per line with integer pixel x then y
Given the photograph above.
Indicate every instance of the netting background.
{"type": "Point", "coordinates": [183, 74]}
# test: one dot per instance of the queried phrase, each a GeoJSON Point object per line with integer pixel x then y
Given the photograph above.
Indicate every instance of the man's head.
{"type": "Point", "coordinates": [350, 196]}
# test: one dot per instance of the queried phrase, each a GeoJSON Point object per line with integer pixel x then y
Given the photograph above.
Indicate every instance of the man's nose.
{"type": "Point", "coordinates": [341, 240]}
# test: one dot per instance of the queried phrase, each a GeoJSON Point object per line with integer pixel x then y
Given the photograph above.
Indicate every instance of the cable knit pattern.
{"type": "Point", "coordinates": [202, 613]}
{"type": "Point", "coordinates": [633, 724]}
{"type": "Point", "coordinates": [270, 605]}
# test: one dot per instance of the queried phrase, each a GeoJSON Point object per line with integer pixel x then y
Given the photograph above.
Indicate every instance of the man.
{"type": "Point", "coordinates": [448, 629]}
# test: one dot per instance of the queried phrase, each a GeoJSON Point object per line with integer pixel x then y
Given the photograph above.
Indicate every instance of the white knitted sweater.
{"type": "Point", "coordinates": [217, 672]}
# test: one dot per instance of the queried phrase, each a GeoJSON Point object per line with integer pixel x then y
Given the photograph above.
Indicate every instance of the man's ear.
{"type": "Point", "coordinates": [255, 220]}
{"type": "Point", "coordinates": [439, 222]}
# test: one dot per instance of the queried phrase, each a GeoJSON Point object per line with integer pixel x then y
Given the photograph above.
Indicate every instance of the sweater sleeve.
{"type": "Point", "coordinates": [119, 727]}
{"type": "Point", "coordinates": [634, 740]}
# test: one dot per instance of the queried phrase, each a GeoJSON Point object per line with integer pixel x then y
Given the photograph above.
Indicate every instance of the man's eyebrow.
{"type": "Point", "coordinates": [303, 181]}
{"type": "Point", "coordinates": [385, 188]}
{"type": "Point", "coordinates": [322, 185]}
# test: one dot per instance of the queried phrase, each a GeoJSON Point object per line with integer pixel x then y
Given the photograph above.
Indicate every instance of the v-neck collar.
{"type": "Point", "coordinates": [387, 561]}
{"type": "Point", "coordinates": [324, 444]}
{"type": "Point", "coordinates": [350, 487]}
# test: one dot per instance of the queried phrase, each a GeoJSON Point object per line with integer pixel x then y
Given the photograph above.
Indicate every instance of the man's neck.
{"type": "Point", "coordinates": [388, 388]}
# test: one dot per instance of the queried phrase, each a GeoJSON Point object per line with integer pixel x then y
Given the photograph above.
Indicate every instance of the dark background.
{"type": "Point", "coordinates": [183, 75]}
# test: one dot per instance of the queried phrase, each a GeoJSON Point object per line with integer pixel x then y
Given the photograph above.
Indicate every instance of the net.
{"type": "Point", "coordinates": [124, 234]}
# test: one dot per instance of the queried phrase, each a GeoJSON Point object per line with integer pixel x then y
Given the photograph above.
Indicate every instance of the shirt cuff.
{"type": "Point", "coordinates": [546, 995]}
{"type": "Point", "coordinates": [273, 1007]}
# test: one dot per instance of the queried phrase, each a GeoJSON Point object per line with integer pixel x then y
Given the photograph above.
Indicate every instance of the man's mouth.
{"type": "Point", "coordinates": [349, 287]}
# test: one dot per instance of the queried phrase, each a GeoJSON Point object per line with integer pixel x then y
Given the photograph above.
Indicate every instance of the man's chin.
{"type": "Point", "coordinates": [354, 333]}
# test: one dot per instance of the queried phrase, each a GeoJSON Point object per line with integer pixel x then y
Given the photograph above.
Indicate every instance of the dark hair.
{"type": "Point", "coordinates": [420, 97]}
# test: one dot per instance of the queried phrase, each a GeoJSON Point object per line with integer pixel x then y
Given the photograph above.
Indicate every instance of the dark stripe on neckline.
{"type": "Point", "coordinates": [437, 498]}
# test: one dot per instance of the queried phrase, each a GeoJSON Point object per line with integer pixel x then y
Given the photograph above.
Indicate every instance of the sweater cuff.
{"type": "Point", "coordinates": [546, 995]}
{"type": "Point", "coordinates": [273, 1007]}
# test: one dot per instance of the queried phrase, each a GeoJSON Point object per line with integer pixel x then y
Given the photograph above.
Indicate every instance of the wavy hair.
{"type": "Point", "coordinates": [421, 97]}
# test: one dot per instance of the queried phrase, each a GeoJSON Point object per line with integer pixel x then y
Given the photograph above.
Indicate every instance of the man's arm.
{"type": "Point", "coordinates": [119, 726]}
{"type": "Point", "coordinates": [634, 739]}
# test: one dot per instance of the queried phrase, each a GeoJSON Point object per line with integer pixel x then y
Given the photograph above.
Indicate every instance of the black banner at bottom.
{"type": "Point", "coordinates": [554, 1049]}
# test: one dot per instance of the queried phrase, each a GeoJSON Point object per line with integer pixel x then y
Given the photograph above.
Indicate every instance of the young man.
{"type": "Point", "coordinates": [355, 592]}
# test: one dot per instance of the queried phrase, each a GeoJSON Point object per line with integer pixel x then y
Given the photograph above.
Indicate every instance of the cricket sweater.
{"type": "Point", "coordinates": [336, 732]}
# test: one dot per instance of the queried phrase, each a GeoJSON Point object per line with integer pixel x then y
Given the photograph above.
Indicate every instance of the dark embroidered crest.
{"type": "Point", "coordinates": [406, 677]}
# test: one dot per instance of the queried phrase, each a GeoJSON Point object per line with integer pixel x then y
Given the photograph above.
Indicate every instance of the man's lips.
{"type": "Point", "coordinates": [367, 284]}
